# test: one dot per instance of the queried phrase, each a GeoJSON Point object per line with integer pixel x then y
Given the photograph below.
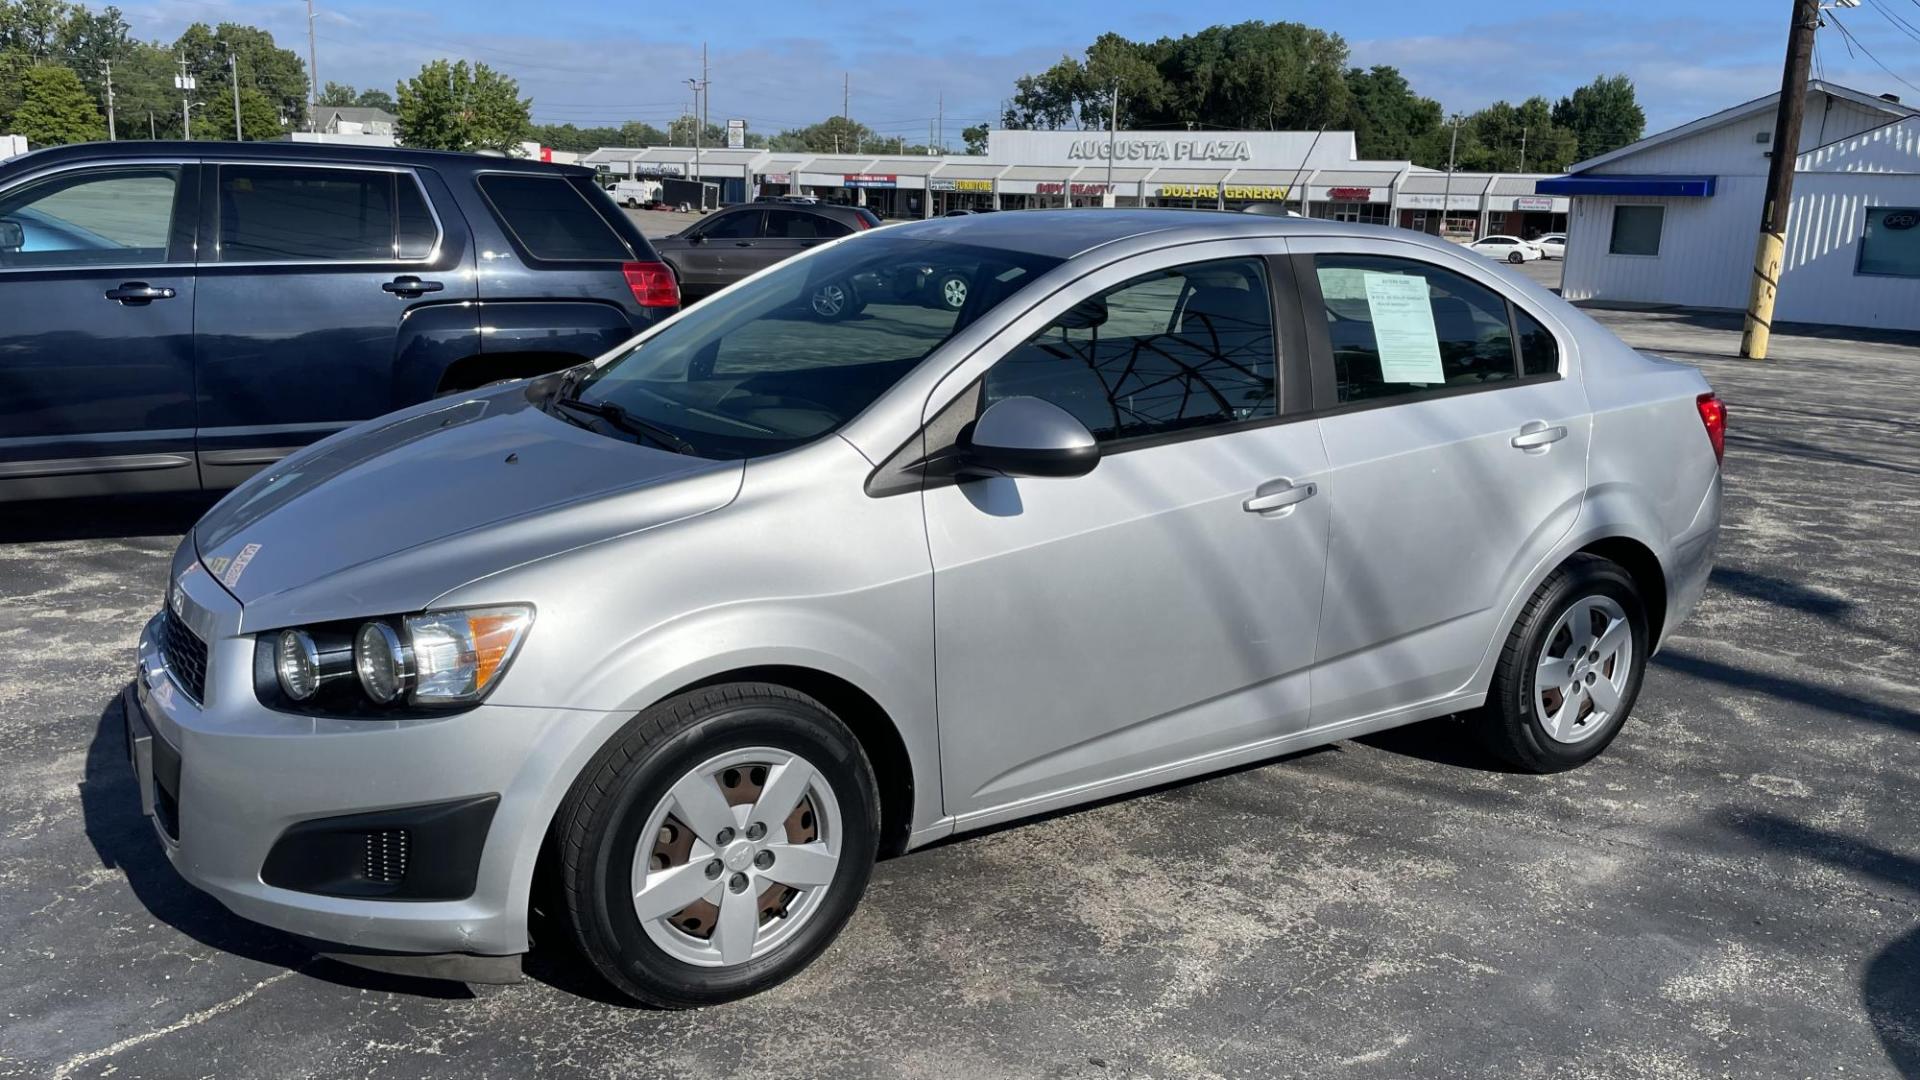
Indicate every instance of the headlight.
{"type": "Point", "coordinates": [439, 659]}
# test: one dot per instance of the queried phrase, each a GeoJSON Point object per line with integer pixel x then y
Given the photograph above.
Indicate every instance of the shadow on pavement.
{"type": "Point", "coordinates": [1728, 319]}
{"type": "Point", "coordinates": [106, 517]}
{"type": "Point", "coordinates": [1890, 988]}
{"type": "Point", "coordinates": [124, 840]}
{"type": "Point", "coordinates": [1838, 702]}
{"type": "Point", "coordinates": [1444, 741]}
{"type": "Point", "coordinates": [1774, 590]}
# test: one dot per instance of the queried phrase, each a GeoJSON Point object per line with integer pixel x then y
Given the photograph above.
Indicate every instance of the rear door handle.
{"type": "Point", "coordinates": [139, 292]}
{"type": "Point", "coordinates": [1280, 499]}
{"type": "Point", "coordinates": [1537, 435]}
{"type": "Point", "coordinates": [408, 285]}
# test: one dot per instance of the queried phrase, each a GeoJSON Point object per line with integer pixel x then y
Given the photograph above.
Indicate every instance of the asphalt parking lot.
{"type": "Point", "coordinates": [1733, 889]}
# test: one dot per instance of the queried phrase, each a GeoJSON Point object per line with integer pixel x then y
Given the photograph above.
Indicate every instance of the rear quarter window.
{"type": "Point", "coordinates": [552, 219]}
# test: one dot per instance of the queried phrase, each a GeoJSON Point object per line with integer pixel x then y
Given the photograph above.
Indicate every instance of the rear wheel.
{"type": "Point", "coordinates": [718, 844]}
{"type": "Point", "coordinates": [1570, 670]}
{"type": "Point", "coordinates": [835, 301]}
{"type": "Point", "coordinates": [951, 291]}
{"type": "Point", "coordinates": [1516, 258]}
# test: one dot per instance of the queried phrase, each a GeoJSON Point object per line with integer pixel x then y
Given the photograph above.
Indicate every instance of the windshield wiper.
{"type": "Point", "coordinates": [627, 422]}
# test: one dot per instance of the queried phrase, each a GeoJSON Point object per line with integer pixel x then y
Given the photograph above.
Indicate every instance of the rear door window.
{"type": "Point", "coordinates": [801, 225]}
{"type": "Point", "coordinates": [277, 213]}
{"type": "Point", "coordinates": [738, 225]}
{"type": "Point", "coordinates": [551, 219]}
{"type": "Point", "coordinates": [1400, 327]}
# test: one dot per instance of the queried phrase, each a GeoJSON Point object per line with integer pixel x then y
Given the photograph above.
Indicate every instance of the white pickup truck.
{"type": "Point", "coordinates": [634, 193]}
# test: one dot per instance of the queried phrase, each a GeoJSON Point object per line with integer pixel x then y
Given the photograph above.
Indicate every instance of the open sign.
{"type": "Point", "coordinates": [1901, 220]}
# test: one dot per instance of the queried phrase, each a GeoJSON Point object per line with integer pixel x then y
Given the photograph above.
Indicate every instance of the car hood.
{"type": "Point", "coordinates": [390, 514]}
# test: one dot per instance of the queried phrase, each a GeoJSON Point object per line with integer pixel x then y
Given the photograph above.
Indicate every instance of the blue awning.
{"type": "Point", "coordinates": [1698, 186]}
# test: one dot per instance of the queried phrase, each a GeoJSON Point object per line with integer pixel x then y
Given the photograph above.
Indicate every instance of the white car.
{"type": "Point", "coordinates": [1507, 249]}
{"type": "Point", "coordinates": [1553, 245]}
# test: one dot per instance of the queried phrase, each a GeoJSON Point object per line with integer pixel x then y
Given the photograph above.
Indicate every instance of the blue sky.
{"type": "Point", "coordinates": [780, 65]}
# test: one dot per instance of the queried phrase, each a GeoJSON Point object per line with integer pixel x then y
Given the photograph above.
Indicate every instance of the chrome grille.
{"type": "Point", "coordinates": [185, 654]}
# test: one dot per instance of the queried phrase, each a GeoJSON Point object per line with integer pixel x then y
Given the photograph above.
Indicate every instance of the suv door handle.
{"type": "Point", "coordinates": [132, 293]}
{"type": "Point", "coordinates": [1280, 499]}
{"type": "Point", "coordinates": [743, 243]}
{"type": "Point", "coordinates": [1536, 435]}
{"type": "Point", "coordinates": [408, 285]}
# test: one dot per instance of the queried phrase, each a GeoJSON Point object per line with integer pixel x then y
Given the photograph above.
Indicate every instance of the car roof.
{"type": "Point", "coordinates": [1063, 234]}
{"type": "Point", "coordinates": [451, 160]}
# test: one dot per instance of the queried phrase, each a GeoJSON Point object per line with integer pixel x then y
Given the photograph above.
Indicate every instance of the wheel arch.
{"type": "Point", "coordinates": [1641, 564]}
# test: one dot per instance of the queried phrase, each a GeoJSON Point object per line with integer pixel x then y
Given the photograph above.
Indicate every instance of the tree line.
{"type": "Point", "coordinates": [56, 57]}
{"type": "Point", "coordinates": [1285, 76]}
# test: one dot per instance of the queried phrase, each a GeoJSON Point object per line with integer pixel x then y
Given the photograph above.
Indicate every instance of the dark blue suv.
{"type": "Point", "coordinates": [174, 316]}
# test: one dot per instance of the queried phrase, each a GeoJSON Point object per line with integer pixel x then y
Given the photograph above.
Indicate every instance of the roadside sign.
{"type": "Point", "coordinates": [736, 134]}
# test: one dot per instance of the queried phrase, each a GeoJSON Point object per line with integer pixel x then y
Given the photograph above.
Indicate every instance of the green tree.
{"type": "Point", "coordinates": [277, 73]}
{"type": "Point", "coordinates": [834, 135]}
{"type": "Point", "coordinates": [1386, 116]}
{"type": "Point", "coordinates": [374, 98]}
{"type": "Point", "coordinates": [337, 95]}
{"type": "Point", "coordinates": [453, 106]}
{"type": "Point", "coordinates": [56, 108]}
{"type": "Point", "coordinates": [680, 133]}
{"type": "Point", "coordinates": [1602, 115]}
{"type": "Point", "coordinates": [975, 138]}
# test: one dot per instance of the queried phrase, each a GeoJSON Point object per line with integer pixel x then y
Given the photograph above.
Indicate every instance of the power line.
{"type": "Point", "coordinates": [1853, 42]}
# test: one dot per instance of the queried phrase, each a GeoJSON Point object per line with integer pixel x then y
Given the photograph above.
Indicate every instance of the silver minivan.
{"type": "Point", "coordinates": [694, 633]}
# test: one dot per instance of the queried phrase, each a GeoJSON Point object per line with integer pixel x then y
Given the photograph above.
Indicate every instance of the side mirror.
{"type": "Point", "coordinates": [12, 236]}
{"type": "Point", "coordinates": [1025, 436]}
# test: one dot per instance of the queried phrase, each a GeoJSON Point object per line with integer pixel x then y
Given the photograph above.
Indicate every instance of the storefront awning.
{"type": "Point", "coordinates": [1694, 186]}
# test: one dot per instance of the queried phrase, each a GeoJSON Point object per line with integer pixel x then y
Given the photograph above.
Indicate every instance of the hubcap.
{"type": "Point", "coordinates": [955, 291]}
{"type": "Point", "coordinates": [737, 857]}
{"type": "Point", "coordinates": [1583, 669]}
{"type": "Point", "coordinates": [829, 300]}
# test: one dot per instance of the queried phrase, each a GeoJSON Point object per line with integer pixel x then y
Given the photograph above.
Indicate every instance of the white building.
{"type": "Point", "coordinates": [1673, 218]}
{"type": "Point", "coordinates": [1314, 173]}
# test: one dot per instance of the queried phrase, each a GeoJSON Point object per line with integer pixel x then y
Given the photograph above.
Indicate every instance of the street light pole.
{"type": "Point", "coordinates": [1446, 189]}
{"type": "Point", "coordinates": [233, 75]}
{"type": "Point", "coordinates": [1113, 128]}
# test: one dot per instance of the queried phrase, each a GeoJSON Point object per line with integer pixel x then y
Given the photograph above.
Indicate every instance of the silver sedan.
{"type": "Point", "coordinates": [698, 631]}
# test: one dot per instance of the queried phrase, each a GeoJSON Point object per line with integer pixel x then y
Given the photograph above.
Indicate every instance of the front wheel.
{"type": "Point", "coordinates": [718, 844]}
{"type": "Point", "coordinates": [834, 301]}
{"type": "Point", "coordinates": [1570, 670]}
{"type": "Point", "coordinates": [952, 291]}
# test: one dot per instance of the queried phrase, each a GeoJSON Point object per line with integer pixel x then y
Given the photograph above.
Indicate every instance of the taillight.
{"type": "Point", "coordinates": [652, 284]}
{"type": "Point", "coordinates": [862, 222]}
{"type": "Point", "coordinates": [1714, 415]}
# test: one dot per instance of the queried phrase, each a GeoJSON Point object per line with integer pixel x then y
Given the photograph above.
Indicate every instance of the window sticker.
{"type": "Point", "coordinates": [1403, 329]}
{"type": "Point", "coordinates": [1341, 283]}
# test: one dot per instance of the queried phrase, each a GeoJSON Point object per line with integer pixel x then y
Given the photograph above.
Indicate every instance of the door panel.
{"type": "Point", "coordinates": [310, 274]}
{"type": "Point", "coordinates": [97, 393]}
{"type": "Point", "coordinates": [1143, 614]}
{"type": "Point", "coordinates": [1438, 514]}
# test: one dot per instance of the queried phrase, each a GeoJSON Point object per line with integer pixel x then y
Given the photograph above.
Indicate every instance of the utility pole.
{"type": "Point", "coordinates": [1523, 149]}
{"type": "Point", "coordinates": [940, 124]}
{"type": "Point", "coordinates": [108, 66]}
{"type": "Point", "coordinates": [313, 70]}
{"type": "Point", "coordinates": [152, 132]}
{"type": "Point", "coordinates": [185, 84]}
{"type": "Point", "coordinates": [233, 74]}
{"type": "Point", "coordinates": [1770, 250]}
{"type": "Point", "coordinates": [1113, 127]}
{"type": "Point", "coordinates": [1446, 197]}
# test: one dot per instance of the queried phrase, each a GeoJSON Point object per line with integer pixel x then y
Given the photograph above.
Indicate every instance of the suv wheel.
{"type": "Point", "coordinates": [835, 301]}
{"type": "Point", "coordinates": [1570, 670]}
{"type": "Point", "coordinates": [717, 844]}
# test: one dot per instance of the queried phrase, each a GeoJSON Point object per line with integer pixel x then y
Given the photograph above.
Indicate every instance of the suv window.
{"type": "Point", "coordinates": [1181, 348]}
{"type": "Point", "coordinates": [735, 225]}
{"type": "Point", "coordinates": [276, 213]}
{"type": "Point", "coordinates": [1399, 327]}
{"type": "Point", "coordinates": [552, 219]}
{"type": "Point", "coordinates": [99, 217]}
{"type": "Point", "coordinates": [800, 225]}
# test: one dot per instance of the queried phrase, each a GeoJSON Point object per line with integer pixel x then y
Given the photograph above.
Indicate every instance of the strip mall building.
{"type": "Point", "coordinates": [1313, 173]}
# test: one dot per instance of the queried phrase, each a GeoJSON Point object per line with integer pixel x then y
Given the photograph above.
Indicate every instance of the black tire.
{"type": "Point", "coordinates": [948, 287]}
{"type": "Point", "coordinates": [1508, 725]}
{"type": "Point", "coordinates": [835, 300]}
{"type": "Point", "coordinates": [597, 832]}
{"type": "Point", "coordinates": [1516, 258]}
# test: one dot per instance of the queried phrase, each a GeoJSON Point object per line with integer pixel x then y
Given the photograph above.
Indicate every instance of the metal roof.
{"type": "Point", "coordinates": [1354, 178]}
{"type": "Point", "coordinates": [1271, 177]}
{"type": "Point", "coordinates": [1745, 108]}
{"type": "Point", "coordinates": [1439, 183]}
{"type": "Point", "coordinates": [841, 165]}
{"type": "Point", "coordinates": [1189, 176]}
{"type": "Point", "coordinates": [951, 171]}
{"type": "Point", "coordinates": [1038, 172]}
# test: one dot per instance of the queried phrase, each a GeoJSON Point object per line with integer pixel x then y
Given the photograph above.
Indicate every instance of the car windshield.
{"type": "Point", "coordinates": [796, 354]}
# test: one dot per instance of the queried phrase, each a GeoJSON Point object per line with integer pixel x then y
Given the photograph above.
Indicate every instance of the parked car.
{"type": "Point", "coordinates": [1552, 245]}
{"type": "Point", "coordinates": [715, 620]}
{"type": "Point", "coordinates": [724, 247]}
{"type": "Point", "coordinates": [1510, 249]}
{"type": "Point", "coordinates": [177, 315]}
{"type": "Point", "coordinates": [796, 200]}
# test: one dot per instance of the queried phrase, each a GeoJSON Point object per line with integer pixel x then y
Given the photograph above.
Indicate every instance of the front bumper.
{"type": "Point", "coordinates": [225, 777]}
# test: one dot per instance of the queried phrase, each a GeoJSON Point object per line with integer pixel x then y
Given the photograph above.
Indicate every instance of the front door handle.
{"type": "Point", "coordinates": [138, 292]}
{"type": "Point", "coordinates": [408, 285]}
{"type": "Point", "coordinates": [743, 243]}
{"type": "Point", "coordinates": [1269, 501]}
{"type": "Point", "coordinates": [1537, 435]}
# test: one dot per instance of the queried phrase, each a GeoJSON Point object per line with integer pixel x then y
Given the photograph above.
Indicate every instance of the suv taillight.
{"type": "Point", "coordinates": [1714, 415]}
{"type": "Point", "coordinates": [652, 284]}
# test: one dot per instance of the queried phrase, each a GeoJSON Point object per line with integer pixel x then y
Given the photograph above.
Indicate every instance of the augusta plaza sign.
{"type": "Point", "coordinates": [1160, 150]}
